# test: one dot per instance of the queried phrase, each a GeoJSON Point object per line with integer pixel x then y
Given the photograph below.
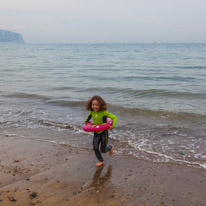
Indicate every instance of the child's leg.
{"type": "Point", "coordinates": [104, 143]}
{"type": "Point", "coordinates": [96, 142]}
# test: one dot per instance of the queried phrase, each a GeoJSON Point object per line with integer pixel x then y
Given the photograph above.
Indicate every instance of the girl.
{"type": "Point", "coordinates": [97, 107]}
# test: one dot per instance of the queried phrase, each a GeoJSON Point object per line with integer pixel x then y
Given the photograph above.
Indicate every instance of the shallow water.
{"type": "Point", "coordinates": [157, 91]}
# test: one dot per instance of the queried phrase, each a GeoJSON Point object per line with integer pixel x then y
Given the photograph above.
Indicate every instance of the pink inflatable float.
{"type": "Point", "coordinates": [89, 127]}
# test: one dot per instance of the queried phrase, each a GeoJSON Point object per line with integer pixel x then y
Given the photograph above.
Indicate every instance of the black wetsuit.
{"type": "Point", "coordinates": [100, 140]}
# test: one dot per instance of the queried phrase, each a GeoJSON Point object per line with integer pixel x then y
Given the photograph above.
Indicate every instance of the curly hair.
{"type": "Point", "coordinates": [102, 103]}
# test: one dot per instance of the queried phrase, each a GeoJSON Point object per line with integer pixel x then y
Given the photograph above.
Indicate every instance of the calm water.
{"type": "Point", "coordinates": [157, 91]}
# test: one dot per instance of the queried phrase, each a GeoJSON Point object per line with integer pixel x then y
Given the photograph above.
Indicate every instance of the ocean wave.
{"type": "Point", "coordinates": [26, 96]}
{"type": "Point", "coordinates": [62, 88]}
{"type": "Point", "coordinates": [160, 113]}
{"type": "Point", "coordinates": [65, 103]}
{"type": "Point", "coordinates": [138, 93]}
{"type": "Point", "coordinates": [139, 112]}
{"type": "Point", "coordinates": [113, 90]}
{"type": "Point", "coordinates": [120, 108]}
{"type": "Point", "coordinates": [124, 110]}
{"type": "Point", "coordinates": [157, 93]}
{"type": "Point", "coordinates": [192, 67]}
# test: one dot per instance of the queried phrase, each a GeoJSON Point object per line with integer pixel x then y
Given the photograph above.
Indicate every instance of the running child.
{"type": "Point", "coordinates": [97, 107]}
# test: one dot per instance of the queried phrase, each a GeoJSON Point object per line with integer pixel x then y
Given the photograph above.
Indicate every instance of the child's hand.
{"type": "Point", "coordinates": [110, 127]}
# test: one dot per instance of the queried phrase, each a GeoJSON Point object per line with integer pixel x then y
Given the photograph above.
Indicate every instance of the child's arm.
{"type": "Point", "coordinates": [113, 117]}
{"type": "Point", "coordinates": [88, 118]}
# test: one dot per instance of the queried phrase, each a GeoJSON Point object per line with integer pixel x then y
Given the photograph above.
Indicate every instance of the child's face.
{"type": "Point", "coordinates": [95, 105]}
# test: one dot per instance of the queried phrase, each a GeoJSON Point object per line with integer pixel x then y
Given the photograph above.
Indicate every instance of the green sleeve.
{"type": "Point", "coordinates": [88, 118]}
{"type": "Point", "coordinates": [113, 117]}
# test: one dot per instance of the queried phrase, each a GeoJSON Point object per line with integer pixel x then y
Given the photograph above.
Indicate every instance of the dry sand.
{"type": "Point", "coordinates": [43, 173]}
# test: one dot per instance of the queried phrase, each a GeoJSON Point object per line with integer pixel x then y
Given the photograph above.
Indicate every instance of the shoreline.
{"type": "Point", "coordinates": [42, 173]}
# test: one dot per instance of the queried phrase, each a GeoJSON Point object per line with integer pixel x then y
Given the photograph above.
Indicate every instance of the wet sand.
{"type": "Point", "coordinates": [42, 173]}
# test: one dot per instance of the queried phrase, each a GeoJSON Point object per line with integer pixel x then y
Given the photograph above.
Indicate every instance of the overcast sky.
{"type": "Point", "coordinates": [106, 21]}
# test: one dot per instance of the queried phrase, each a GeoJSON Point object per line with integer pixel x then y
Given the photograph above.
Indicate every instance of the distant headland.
{"type": "Point", "coordinates": [8, 36]}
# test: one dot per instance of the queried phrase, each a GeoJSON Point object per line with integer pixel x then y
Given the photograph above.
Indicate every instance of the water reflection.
{"type": "Point", "coordinates": [99, 180]}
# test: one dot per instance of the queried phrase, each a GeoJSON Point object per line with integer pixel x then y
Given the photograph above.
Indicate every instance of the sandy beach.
{"type": "Point", "coordinates": [43, 173]}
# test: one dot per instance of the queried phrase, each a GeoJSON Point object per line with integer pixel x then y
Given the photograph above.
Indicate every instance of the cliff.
{"type": "Point", "coordinates": [8, 36]}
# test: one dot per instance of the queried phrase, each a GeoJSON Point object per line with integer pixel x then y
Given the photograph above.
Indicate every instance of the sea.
{"type": "Point", "coordinates": [157, 92]}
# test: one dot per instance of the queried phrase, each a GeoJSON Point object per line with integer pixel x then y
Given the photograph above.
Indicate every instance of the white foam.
{"type": "Point", "coordinates": [139, 147]}
{"type": "Point", "coordinates": [203, 165]}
